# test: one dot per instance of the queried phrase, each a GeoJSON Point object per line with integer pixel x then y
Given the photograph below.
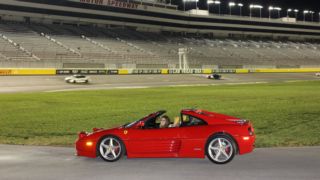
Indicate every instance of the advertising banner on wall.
{"type": "Point", "coordinates": [146, 71]}
{"type": "Point", "coordinates": [113, 72]}
{"type": "Point", "coordinates": [80, 71]}
{"type": "Point", "coordinates": [185, 71]}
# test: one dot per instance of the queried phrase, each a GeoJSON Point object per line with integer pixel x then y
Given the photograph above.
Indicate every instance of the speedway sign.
{"type": "Point", "coordinates": [115, 3]}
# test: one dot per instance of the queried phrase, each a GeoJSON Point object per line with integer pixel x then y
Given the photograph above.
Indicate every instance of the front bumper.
{"type": "Point", "coordinates": [84, 149]}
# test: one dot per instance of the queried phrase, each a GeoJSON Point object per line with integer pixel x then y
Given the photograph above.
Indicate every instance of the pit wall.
{"type": "Point", "coordinates": [52, 71]}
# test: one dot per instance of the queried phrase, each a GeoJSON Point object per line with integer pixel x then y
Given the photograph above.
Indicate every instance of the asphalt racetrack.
{"type": "Point", "coordinates": [52, 163]}
{"type": "Point", "coordinates": [12, 84]}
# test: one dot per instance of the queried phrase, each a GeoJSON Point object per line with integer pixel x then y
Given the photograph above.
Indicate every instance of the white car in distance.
{"type": "Point", "coordinates": [77, 78]}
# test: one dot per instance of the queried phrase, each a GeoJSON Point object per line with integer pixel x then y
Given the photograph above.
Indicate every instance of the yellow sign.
{"type": "Point", "coordinates": [125, 132]}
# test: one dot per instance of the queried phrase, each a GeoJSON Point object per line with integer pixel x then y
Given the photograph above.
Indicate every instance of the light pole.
{"type": "Point", "coordinates": [240, 6]}
{"type": "Point", "coordinates": [279, 10]}
{"type": "Point", "coordinates": [296, 11]}
{"type": "Point", "coordinates": [289, 11]}
{"type": "Point", "coordinates": [254, 6]}
{"type": "Point", "coordinates": [231, 4]}
{"type": "Point", "coordinates": [304, 15]}
{"type": "Point", "coordinates": [208, 4]}
{"type": "Point", "coordinates": [217, 2]}
{"type": "Point", "coordinates": [196, 1]}
{"type": "Point", "coordinates": [311, 12]}
{"type": "Point", "coordinates": [184, 3]}
{"type": "Point", "coordinates": [271, 8]}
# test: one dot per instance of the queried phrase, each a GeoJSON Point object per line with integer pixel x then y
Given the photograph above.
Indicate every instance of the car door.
{"type": "Point", "coordinates": [153, 142]}
{"type": "Point", "coordinates": [192, 137]}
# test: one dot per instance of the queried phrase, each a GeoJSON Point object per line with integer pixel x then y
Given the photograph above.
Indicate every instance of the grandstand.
{"type": "Point", "coordinates": [68, 46]}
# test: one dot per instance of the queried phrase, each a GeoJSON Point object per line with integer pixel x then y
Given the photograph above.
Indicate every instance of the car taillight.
{"type": "Point", "coordinates": [82, 134]}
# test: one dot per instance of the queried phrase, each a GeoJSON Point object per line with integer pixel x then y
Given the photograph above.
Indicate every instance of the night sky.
{"type": "Point", "coordinates": [313, 5]}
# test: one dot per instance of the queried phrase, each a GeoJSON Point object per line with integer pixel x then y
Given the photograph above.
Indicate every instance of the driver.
{"type": "Point", "coordinates": [164, 122]}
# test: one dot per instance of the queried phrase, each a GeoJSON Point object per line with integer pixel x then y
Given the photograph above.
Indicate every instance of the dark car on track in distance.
{"type": "Point", "coordinates": [214, 76]}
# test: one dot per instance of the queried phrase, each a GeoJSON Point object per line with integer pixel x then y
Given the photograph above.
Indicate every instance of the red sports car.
{"type": "Point", "coordinates": [195, 134]}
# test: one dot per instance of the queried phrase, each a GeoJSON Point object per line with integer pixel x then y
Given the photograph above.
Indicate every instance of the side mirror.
{"type": "Point", "coordinates": [140, 124]}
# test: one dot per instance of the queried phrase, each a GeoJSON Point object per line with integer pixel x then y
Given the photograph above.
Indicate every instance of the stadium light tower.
{"type": "Point", "coordinates": [255, 6]}
{"type": "Point", "coordinates": [208, 4]}
{"type": "Point", "coordinates": [196, 1]}
{"type": "Point", "coordinates": [306, 12]}
{"type": "Point", "coordinates": [240, 6]}
{"type": "Point", "coordinates": [271, 8]}
{"type": "Point", "coordinates": [184, 5]}
{"type": "Point", "coordinates": [289, 11]}
{"type": "Point", "coordinates": [189, 1]}
{"type": "Point", "coordinates": [304, 15]}
{"type": "Point", "coordinates": [213, 2]}
{"type": "Point", "coordinates": [312, 13]}
{"type": "Point", "coordinates": [219, 4]}
{"type": "Point", "coordinates": [296, 11]}
{"type": "Point", "coordinates": [231, 4]}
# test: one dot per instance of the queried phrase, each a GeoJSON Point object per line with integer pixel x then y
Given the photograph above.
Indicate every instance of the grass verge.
{"type": "Point", "coordinates": [284, 114]}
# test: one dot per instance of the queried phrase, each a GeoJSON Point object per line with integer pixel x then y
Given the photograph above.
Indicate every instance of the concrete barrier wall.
{"type": "Point", "coordinates": [294, 70]}
{"type": "Point", "coordinates": [242, 71]}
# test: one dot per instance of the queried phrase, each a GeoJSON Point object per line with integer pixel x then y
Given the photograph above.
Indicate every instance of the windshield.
{"type": "Point", "coordinates": [130, 124]}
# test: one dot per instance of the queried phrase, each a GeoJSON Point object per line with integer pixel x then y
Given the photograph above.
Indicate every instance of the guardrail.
{"type": "Point", "coordinates": [53, 71]}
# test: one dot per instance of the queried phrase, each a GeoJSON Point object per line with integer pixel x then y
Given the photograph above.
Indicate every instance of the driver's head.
{"type": "Point", "coordinates": [164, 122]}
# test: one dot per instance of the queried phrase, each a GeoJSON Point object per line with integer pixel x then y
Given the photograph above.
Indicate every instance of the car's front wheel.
{"type": "Point", "coordinates": [220, 149]}
{"type": "Point", "coordinates": [110, 149]}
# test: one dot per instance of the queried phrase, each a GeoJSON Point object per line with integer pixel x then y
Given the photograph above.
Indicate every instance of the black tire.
{"type": "Point", "coordinates": [225, 138]}
{"type": "Point", "coordinates": [120, 143]}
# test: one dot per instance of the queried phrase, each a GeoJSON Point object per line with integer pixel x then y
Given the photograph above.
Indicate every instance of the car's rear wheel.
{"type": "Point", "coordinates": [220, 149]}
{"type": "Point", "coordinates": [110, 148]}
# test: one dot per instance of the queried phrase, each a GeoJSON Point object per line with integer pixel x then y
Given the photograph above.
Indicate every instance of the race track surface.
{"type": "Point", "coordinates": [52, 163]}
{"type": "Point", "coordinates": [12, 84]}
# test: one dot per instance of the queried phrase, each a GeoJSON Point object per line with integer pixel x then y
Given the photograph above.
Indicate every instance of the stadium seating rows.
{"type": "Point", "coordinates": [119, 47]}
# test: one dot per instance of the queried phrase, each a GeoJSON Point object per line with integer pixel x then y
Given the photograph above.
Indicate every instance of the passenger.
{"type": "Point", "coordinates": [176, 122]}
{"type": "Point", "coordinates": [164, 122]}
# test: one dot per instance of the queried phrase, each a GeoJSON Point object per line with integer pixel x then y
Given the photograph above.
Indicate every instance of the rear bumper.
{"type": "Point", "coordinates": [246, 145]}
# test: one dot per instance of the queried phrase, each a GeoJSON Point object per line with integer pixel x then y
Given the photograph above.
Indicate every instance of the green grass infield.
{"type": "Point", "coordinates": [283, 114]}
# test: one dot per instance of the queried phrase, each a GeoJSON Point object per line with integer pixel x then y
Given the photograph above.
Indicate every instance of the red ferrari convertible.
{"type": "Point", "coordinates": [195, 134]}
